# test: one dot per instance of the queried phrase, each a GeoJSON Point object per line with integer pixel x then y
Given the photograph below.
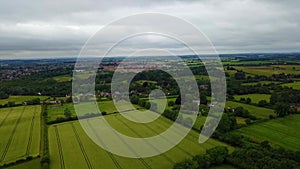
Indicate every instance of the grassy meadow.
{"type": "Point", "coordinates": [20, 99]}
{"type": "Point", "coordinates": [255, 98]}
{"type": "Point", "coordinates": [294, 85]}
{"type": "Point", "coordinates": [256, 111]}
{"type": "Point", "coordinates": [270, 69]}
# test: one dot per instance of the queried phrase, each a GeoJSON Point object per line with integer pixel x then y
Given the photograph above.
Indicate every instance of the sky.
{"type": "Point", "coordinates": [47, 29]}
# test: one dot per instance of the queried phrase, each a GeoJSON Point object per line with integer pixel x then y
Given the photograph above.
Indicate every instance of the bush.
{"type": "Point", "coordinates": [171, 103]}
{"type": "Point", "coordinates": [188, 164]}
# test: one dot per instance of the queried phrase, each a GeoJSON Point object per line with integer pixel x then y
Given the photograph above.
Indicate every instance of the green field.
{"type": "Point", "coordinates": [255, 98]}
{"type": "Point", "coordinates": [20, 133]}
{"type": "Point", "coordinates": [295, 85]}
{"type": "Point", "coordinates": [260, 82]}
{"type": "Point", "coordinates": [270, 69]}
{"type": "Point", "coordinates": [282, 131]}
{"type": "Point", "coordinates": [57, 110]}
{"type": "Point", "coordinates": [258, 112]}
{"type": "Point", "coordinates": [20, 99]}
{"type": "Point", "coordinates": [63, 78]}
{"type": "Point", "coordinates": [84, 153]}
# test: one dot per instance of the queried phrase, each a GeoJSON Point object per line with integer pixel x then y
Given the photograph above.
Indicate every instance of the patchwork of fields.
{"type": "Point", "coordinates": [282, 131]}
{"type": "Point", "coordinates": [20, 133]}
{"type": "Point", "coordinates": [84, 153]}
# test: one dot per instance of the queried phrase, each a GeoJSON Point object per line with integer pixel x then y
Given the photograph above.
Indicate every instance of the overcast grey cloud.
{"type": "Point", "coordinates": [59, 28]}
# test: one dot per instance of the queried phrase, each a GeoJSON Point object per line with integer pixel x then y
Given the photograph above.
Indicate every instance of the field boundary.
{"type": "Point", "coordinates": [81, 147]}
{"type": "Point", "coordinates": [62, 163]}
{"type": "Point", "coordinates": [31, 133]}
{"type": "Point", "coordinates": [115, 161]}
{"type": "Point", "coordinates": [11, 136]}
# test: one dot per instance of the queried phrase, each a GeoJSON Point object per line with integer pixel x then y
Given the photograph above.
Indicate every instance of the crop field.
{"type": "Point", "coordinates": [282, 131]}
{"type": "Point", "coordinates": [20, 133]}
{"type": "Point", "coordinates": [269, 70]}
{"type": "Point", "coordinates": [295, 85]}
{"type": "Point", "coordinates": [258, 112]}
{"type": "Point", "coordinates": [20, 99]}
{"type": "Point", "coordinates": [255, 98]}
{"type": "Point", "coordinates": [84, 153]}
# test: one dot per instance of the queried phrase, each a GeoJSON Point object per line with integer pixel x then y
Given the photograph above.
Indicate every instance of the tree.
{"type": "Point", "coordinates": [171, 103]}
{"type": "Point", "coordinates": [134, 99]}
{"type": "Point", "coordinates": [203, 99]}
{"type": "Point", "coordinates": [11, 104]}
{"type": "Point", "coordinates": [282, 109]}
{"type": "Point", "coordinates": [217, 154]}
{"type": "Point", "coordinates": [188, 164]}
{"type": "Point", "coordinates": [203, 161]}
{"type": "Point", "coordinates": [240, 75]}
{"type": "Point", "coordinates": [3, 95]}
{"type": "Point", "coordinates": [227, 123]}
{"type": "Point", "coordinates": [262, 103]}
{"type": "Point", "coordinates": [67, 113]}
{"type": "Point", "coordinates": [248, 100]}
{"type": "Point", "coordinates": [178, 100]}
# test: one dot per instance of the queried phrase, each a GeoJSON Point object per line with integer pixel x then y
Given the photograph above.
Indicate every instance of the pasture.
{"type": "Point", "coordinates": [282, 131]}
{"type": "Point", "coordinates": [20, 99]}
{"type": "Point", "coordinates": [270, 69]}
{"type": "Point", "coordinates": [57, 110]}
{"type": "Point", "coordinates": [63, 78]}
{"type": "Point", "coordinates": [259, 112]}
{"type": "Point", "coordinates": [294, 85]}
{"type": "Point", "coordinates": [255, 98]}
{"type": "Point", "coordinates": [260, 82]}
{"type": "Point", "coordinates": [20, 133]}
{"type": "Point", "coordinates": [84, 153]}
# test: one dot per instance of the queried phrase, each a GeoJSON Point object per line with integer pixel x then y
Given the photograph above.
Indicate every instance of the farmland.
{"type": "Point", "coordinates": [21, 128]}
{"type": "Point", "coordinates": [283, 132]}
{"type": "Point", "coordinates": [258, 112]}
{"type": "Point", "coordinates": [270, 69]}
{"type": "Point", "coordinates": [20, 99]}
{"type": "Point", "coordinates": [85, 151]}
{"type": "Point", "coordinates": [295, 85]}
{"type": "Point", "coordinates": [260, 82]}
{"type": "Point", "coordinates": [255, 98]}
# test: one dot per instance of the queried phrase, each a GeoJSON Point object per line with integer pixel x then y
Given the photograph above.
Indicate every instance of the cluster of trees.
{"type": "Point", "coordinates": [241, 112]}
{"type": "Point", "coordinates": [34, 84]}
{"type": "Point", "coordinates": [264, 156]}
{"type": "Point", "coordinates": [283, 109]}
{"type": "Point", "coordinates": [3, 95]}
{"type": "Point", "coordinates": [213, 157]}
{"type": "Point", "coordinates": [249, 156]}
{"type": "Point", "coordinates": [285, 95]}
